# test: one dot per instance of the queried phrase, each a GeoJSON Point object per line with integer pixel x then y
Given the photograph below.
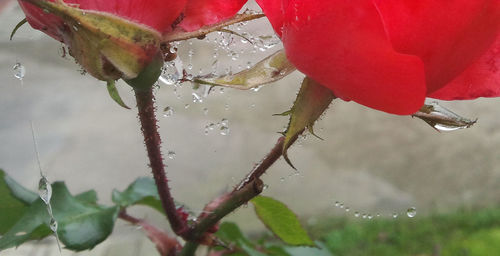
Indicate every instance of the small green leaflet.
{"type": "Point", "coordinates": [281, 221]}
{"type": "Point", "coordinates": [142, 191]}
{"type": "Point", "coordinates": [113, 93]}
{"type": "Point", "coordinates": [11, 207]}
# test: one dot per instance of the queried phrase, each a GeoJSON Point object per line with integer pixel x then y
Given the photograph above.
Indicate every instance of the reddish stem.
{"type": "Point", "coordinates": [152, 140]}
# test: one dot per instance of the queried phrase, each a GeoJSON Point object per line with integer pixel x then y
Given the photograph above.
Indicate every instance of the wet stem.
{"type": "Point", "coordinates": [152, 140]}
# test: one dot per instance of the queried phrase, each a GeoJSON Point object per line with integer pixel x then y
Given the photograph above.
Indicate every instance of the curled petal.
{"type": "Point", "coordinates": [447, 35]}
{"type": "Point", "coordinates": [481, 79]}
{"type": "Point", "coordinates": [199, 13]}
{"type": "Point", "coordinates": [343, 46]}
{"type": "Point", "coordinates": [274, 12]}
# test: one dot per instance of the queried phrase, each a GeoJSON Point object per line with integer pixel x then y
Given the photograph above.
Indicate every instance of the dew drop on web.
{"type": "Point", "coordinates": [45, 190]}
{"type": "Point", "coordinates": [19, 71]}
{"type": "Point", "coordinates": [168, 111]}
{"type": "Point", "coordinates": [411, 212]}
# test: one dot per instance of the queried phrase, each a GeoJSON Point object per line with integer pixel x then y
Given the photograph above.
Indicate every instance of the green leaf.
{"type": "Point", "coordinates": [231, 234]}
{"type": "Point", "coordinates": [113, 93]}
{"type": "Point", "coordinates": [281, 221]}
{"type": "Point", "coordinates": [142, 191]}
{"type": "Point", "coordinates": [81, 225]}
{"type": "Point", "coordinates": [270, 69]}
{"type": "Point", "coordinates": [313, 99]}
{"type": "Point", "coordinates": [87, 197]}
{"type": "Point", "coordinates": [319, 250]}
{"type": "Point", "coordinates": [20, 24]}
{"type": "Point", "coordinates": [12, 207]}
{"type": "Point", "coordinates": [19, 191]}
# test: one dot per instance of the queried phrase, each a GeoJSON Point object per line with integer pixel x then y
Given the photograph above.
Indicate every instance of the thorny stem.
{"type": "Point", "coordinates": [152, 140]}
{"type": "Point", "coordinates": [179, 34]}
{"type": "Point", "coordinates": [261, 168]}
{"type": "Point", "coordinates": [229, 203]}
{"type": "Point", "coordinates": [248, 188]}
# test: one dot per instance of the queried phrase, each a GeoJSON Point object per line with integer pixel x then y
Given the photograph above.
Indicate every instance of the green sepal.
{"type": "Point", "coordinates": [268, 70]}
{"type": "Point", "coordinates": [148, 76]}
{"type": "Point", "coordinates": [20, 24]}
{"type": "Point", "coordinates": [312, 100]}
{"type": "Point", "coordinates": [107, 46]}
{"type": "Point", "coordinates": [113, 93]}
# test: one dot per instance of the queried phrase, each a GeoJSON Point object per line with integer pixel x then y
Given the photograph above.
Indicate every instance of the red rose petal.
{"type": "Point", "coordinates": [342, 45]}
{"type": "Point", "coordinates": [199, 13]}
{"type": "Point", "coordinates": [481, 79]}
{"type": "Point", "coordinates": [447, 35]}
{"type": "Point", "coordinates": [274, 13]}
{"type": "Point", "coordinates": [46, 22]}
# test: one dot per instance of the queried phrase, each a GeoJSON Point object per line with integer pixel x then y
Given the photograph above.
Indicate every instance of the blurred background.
{"type": "Point", "coordinates": [372, 162]}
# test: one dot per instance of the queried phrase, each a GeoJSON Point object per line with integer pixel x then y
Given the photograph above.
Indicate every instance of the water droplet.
{"type": "Point", "coordinates": [364, 216]}
{"type": "Point", "coordinates": [347, 209]}
{"type": "Point", "coordinates": [224, 130]}
{"type": "Point", "coordinates": [282, 179]}
{"type": "Point", "coordinates": [341, 206]}
{"type": "Point", "coordinates": [186, 106]}
{"type": "Point", "coordinates": [53, 225]}
{"type": "Point", "coordinates": [356, 214]}
{"type": "Point", "coordinates": [171, 154]}
{"type": "Point", "coordinates": [411, 212]}
{"type": "Point", "coordinates": [394, 215]}
{"type": "Point", "coordinates": [211, 126]}
{"type": "Point", "coordinates": [224, 122]}
{"type": "Point", "coordinates": [370, 216]}
{"type": "Point", "coordinates": [196, 98]}
{"type": "Point", "coordinates": [168, 111]}
{"type": "Point", "coordinates": [265, 187]}
{"type": "Point", "coordinates": [45, 190]}
{"type": "Point", "coordinates": [19, 71]}
{"type": "Point", "coordinates": [171, 72]}
{"type": "Point", "coordinates": [337, 203]}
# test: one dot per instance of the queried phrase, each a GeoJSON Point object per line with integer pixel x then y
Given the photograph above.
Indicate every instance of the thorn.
{"type": "Point", "coordinates": [286, 113]}
{"type": "Point", "coordinates": [285, 156]}
{"type": "Point", "coordinates": [311, 131]}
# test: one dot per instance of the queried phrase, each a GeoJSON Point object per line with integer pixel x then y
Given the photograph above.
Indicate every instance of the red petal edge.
{"type": "Point", "coordinates": [199, 13]}
{"type": "Point", "coordinates": [481, 79]}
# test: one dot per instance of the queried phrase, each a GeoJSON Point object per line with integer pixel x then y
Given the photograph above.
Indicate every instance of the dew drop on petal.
{"type": "Point", "coordinates": [411, 212]}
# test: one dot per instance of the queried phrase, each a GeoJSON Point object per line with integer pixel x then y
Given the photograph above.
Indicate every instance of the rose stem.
{"type": "Point", "coordinates": [152, 140]}
{"type": "Point", "coordinates": [249, 188]}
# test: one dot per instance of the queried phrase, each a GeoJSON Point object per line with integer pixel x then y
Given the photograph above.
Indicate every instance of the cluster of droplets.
{"type": "Point", "coordinates": [410, 212]}
{"type": "Point", "coordinates": [222, 127]}
{"type": "Point", "coordinates": [45, 190]}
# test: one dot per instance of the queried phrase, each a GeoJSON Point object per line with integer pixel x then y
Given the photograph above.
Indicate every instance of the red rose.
{"type": "Point", "coordinates": [115, 39]}
{"type": "Point", "coordinates": [391, 54]}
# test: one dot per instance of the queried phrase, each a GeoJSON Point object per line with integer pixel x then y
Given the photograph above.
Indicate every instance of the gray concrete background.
{"type": "Point", "coordinates": [370, 161]}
